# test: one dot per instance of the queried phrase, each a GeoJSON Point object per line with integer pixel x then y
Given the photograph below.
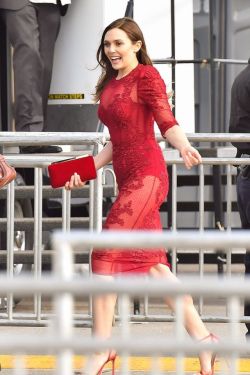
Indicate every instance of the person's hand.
{"type": "Point", "coordinates": [190, 156]}
{"type": "Point", "coordinates": [75, 182]}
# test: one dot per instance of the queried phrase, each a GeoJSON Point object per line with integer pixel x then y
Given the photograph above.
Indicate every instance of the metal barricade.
{"type": "Point", "coordinates": [36, 193]}
{"type": "Point", "coordinates": [63, 342]}
{"type": "Point", "coordinates": [39, 317]}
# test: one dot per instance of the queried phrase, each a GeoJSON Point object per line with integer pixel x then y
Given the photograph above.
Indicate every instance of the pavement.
{"type": "Point", "coordinates": [45, 364]}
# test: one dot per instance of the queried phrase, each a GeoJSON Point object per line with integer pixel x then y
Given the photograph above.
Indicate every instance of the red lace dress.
{"type": "Point", "coordinates": [128, 107]}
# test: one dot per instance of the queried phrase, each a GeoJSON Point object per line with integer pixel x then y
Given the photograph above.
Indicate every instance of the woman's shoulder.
{"type": "Point", "coordinates": [148, 71]}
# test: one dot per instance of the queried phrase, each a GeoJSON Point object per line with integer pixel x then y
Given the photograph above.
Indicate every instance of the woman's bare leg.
{"type": "Point", "coordinates": [103, 313]}
{"type": "Point", "coordinates": [193, 323]}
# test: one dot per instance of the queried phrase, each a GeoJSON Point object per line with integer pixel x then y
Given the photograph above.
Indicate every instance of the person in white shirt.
{"type": "Point", "coordinates": [32, 27]}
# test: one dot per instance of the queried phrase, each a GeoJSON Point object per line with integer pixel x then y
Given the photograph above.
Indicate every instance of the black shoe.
{"type": "Point", "coordinates": [40, 149]}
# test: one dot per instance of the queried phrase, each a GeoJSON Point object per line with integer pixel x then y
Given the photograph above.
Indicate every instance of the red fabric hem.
{"type": "Point", "coordinates": [113, 268]}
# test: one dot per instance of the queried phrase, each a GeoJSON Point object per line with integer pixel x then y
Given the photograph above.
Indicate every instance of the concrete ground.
{"type": "Point", "coordinates": [44, 364]}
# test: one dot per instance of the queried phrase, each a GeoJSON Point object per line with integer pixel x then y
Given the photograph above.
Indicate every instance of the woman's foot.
{"type": "Point", "coordinates": [207, 359]}
{"type": "Point", "coordinates": [96, 363]}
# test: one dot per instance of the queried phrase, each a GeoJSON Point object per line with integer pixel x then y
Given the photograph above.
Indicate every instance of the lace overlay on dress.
{"type": "Point", "coordinates": [136, 207]}
{"type": "Point", "coordinates": [128, 107]}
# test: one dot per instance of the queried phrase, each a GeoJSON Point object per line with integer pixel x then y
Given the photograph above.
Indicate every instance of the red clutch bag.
{"type": "Point", "coordinates": [61, 171]}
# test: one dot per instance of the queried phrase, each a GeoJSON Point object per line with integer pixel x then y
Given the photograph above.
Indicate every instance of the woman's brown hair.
{"type": "Point", "coordinates": [133, 31]}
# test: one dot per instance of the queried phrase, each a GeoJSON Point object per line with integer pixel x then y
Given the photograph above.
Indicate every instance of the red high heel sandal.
{"type": "Point", "coordinates": [111, 358]}
{"type": "Point", "coordinates": [213, 338]}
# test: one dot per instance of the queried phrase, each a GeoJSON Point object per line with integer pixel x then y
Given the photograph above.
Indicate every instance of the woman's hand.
{"type": "Point", "coordinates": [178, 139]}
{"type": "Point", "coordinates": [75, 182]}
{"type": "Point", "coordinates": [190, 156]}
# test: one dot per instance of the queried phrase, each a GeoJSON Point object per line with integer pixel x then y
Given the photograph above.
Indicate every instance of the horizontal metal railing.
{"type": "Point", "coordinates": [78, 138]}
{"type": "Point", "coordinates": [149, 239]}
{"type": "Point", "coordinates": [50, 138]}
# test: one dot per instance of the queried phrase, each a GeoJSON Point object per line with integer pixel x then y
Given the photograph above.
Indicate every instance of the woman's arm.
{"type": "Point", "coordinates": [177, 138]}
{"type": "Point", "coordinates": [104, 157]}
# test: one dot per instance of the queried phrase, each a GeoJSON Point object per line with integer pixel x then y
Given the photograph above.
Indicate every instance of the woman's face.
{"type": "Point", "coordinates": [120, 50]}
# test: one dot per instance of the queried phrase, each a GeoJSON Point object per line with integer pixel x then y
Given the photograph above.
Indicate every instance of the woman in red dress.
{"type": "Point", "coordinates": [132, 96]}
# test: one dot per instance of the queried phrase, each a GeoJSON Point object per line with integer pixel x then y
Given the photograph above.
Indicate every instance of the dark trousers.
{"type": "Point", "coordinates": [243, 198]}
{"type": "Point", "coordinates": [32, 31]}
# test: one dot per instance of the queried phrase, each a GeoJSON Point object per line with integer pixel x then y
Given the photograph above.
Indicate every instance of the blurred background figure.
{"type": "Point", "coordinates": [32, 28]}
{"type": "Point", "coordinates": [240, 123]}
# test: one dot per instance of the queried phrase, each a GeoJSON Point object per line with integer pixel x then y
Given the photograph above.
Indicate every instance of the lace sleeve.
{"type": "Point", "coordinates": [152, 91]}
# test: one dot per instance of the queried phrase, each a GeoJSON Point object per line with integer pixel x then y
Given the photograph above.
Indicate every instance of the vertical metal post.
{"type": "Point", "coordinates": [212, 66]}
{"type": "Point", "coordinates": [63, 305]}
{"type": "Point", "coordinates": [10, 241]}
{"type": "Point", "coordinates": [169, 197]}
{"type": "Point", "coordinates": [38, 235]}
{"type": "Point", "coordinates": [173, 52]}
{"type": "Point", "coordinates": [234, 310]}
{"type": "Point", "coordinates": [91, 205]}
{"type": "Point", "coordinates": [98, 195]}
{"type": "Point", "coordinates": [222, 49]}
{"type": "Point", "coordinates": [91, 228]}
{"type": "Point", "coordinates": [229, 197]}
{"type": "Point", "coordinates": [172, 20]}
{"type": "Point", "coordinates": [174, 197]}
{"type": "Point", "coordinates": [218, 209]}
{"type": "Point", "coordinates": [125, 331]}
{"type": "Point", "coordinates": [174, 214]}
{"type": "Point", "coordinates": [66, 210]}
{"type": "Point", "coordinates": [201, 197]}
{"type": "Point", "coordinates": [179, 330]}
{"type": "Point", "coordinates": [201, 228]}
{"type": "Point", "coordinates": [229, 217]}
{"type": "Point", "coordinates": [19, 364]}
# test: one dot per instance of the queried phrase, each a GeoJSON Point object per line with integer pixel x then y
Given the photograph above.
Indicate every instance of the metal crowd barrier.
{"type": "Point", "coordinates": [62, 341]}
{"type": "Point", "coordinates": [10, 224]}
{"type": "Point", "coordinates": [27, 161]}
{"type": "Point", "coordinates": [37, 316]}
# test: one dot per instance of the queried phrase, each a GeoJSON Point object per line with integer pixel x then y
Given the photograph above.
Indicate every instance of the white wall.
{"type": "Point", "coordinates": [80, 36]}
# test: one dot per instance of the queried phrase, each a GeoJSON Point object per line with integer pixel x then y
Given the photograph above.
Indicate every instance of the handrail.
{"type": "Point", "coordinates": [137, 346]}
{"type": "Point", "coordinates": [43, 161]}
{"type": "Point", "coordinates": [134, 285]}
{"type": "Point", "coordinates": [211, 239]}
{"type": "Point", "coordinates": [214, 137]}
{"type": "Point", "coordinates": [76, 138]}
{"type": "Point", "coordinates": [208, 137]}
{"type": "Point", "coordinates": [47, 138]}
